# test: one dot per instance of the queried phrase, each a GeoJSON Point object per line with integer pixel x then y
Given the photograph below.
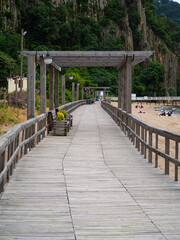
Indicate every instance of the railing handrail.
{"type": "Point", "coordinates": [23, 136]}
{"type": "Point", "coordinates": [15, 130]}
{"type": "Point", "coordinates": [146, 98]}
{"type": "Point", "coordinates": [142, 133]}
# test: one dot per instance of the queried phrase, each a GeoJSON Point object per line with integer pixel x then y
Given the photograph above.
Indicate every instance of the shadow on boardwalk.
{"type": "Point", "coordinates": [92, 184]}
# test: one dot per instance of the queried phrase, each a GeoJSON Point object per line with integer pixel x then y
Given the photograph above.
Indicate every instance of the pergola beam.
{"type": "Point", "coordinates": [43, 85]}
{"type": "Point", "coordinates": [122, 60]}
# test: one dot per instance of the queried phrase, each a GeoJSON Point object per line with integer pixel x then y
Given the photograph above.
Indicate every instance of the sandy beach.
{"type": "Point", "coordinates": [151, 116]}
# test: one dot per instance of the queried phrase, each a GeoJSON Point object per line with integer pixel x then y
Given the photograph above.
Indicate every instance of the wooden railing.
{"type": "Point", "coordinates": [20, 139]}
{"type": "Point", "coordinates": [17, 142]}
{"type": "Point", "coordinates": [146, 139]}
{"type": "Point", "coordinates": [69, 107]}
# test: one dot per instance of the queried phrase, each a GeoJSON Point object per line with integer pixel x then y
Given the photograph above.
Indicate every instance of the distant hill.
{"type": "Point", "coordinates": [169, 8]}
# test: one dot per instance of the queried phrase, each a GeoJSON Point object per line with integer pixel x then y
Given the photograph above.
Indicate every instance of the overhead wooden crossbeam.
{"type": "Point", "coordinates": [122, 60]}
{"type": "Point", "coordinates": [96, 87]}
{"type": "Point", "coordinates": [92, 58]}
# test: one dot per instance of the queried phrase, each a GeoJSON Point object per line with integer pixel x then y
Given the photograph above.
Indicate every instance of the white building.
{"type": "Point", "coordinates": [12, 84]}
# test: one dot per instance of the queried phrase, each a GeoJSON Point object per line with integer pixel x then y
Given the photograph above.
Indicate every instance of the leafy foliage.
{"type": "Point", "coordinates": [10, 44]}
{"type": "Point", "coordinates": [167, 30]}
{"type": "Point", "coordinates": [8, 66]}
{"type": "Point", "coordinates": [168, 8]}
{"type": "Point", "coordinates": [134, 21]}
{"type": "Point", "coordinates": [115, 11]}
{"type": "Point", "coordinates": [150, 80]}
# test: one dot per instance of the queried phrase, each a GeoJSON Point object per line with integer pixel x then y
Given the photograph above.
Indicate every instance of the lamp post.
{"type": "Point", "coordinates": [73, 87]}
{"type": "Point", "coordinates": [21, 72]}
{"type": "Point", "coordinates": [77, 92]}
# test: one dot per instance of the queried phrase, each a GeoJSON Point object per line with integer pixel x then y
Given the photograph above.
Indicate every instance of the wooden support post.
{"type": "Point", "coordinates": [150, 151]}
{"type": "Point", "coordinates": [73, 88]}
{"type": "Point", "coordinates": [77, 92]}
{"type": "Point", "coordinates": [120, 88]}
{"type": "Point", "coordinates": [145, 152]}
{"type": "Point", "coordinates": [82, 93]}
{"type": "Point", "coordinates": [43, 85]}
{"type": "Point", "coordinates": [87, 92]}
{"type": "Point", "coordinates": [2, 164]}
{"type": "Point", "coordinates": [31, 87]}
{"type": "Point", "coordinates": [51, 87]}
{"type": "Point", "coordinates": [167, 152]}
{"type": "Point", "coordinates": [104, 94]}
{"type": "Point", "coordinates": [156, 155]}
{"type": "Point", "coordinates": [142, 137]}
{"type": "Point", "coordinates": [62, 89]}
{"type": "Point", "coordinates": [176, 156]}
{"type": "Point", "coordinates": [128, 84]}
{"type": "Point", "coordinates": [56, 89]}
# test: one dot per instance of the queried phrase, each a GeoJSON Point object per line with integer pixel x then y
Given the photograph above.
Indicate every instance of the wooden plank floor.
{"type": "Point", "coordinates": [91, 185]}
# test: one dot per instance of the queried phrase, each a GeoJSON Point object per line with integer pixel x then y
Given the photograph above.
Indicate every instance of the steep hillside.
{"type": "Point", "coordinates": [96, 25]}
{"type": "Point", "coordinates": [169, 8]}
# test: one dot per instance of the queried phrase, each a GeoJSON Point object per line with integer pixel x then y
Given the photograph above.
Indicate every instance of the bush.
{"type": "Point", "coordinates": [8, 115]}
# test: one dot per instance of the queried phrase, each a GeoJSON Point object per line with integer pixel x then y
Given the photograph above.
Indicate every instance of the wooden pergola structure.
{"type": "Point", "coordinates": [88, 89]}
{"type": "Point", "coordinates": [123, 60]}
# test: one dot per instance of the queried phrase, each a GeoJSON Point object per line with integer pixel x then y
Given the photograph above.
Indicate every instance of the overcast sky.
{"type": "Point", "coordinates": [177, 1]}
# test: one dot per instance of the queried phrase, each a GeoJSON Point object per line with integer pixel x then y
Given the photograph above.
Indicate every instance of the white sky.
{"type": "Point", "coordinates": [176, 1]}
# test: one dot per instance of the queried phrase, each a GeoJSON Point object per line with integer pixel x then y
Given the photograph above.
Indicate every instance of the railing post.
{"type": "Point", "coordinates": [142, 137]}
{"type": "Point", "coordinates": [166, 152]}
{"type": "Point", "coordinates": [176, 156]}
{"type": "Point", "coordinates": [145, 148]}
{"type": "Point", "coordinates": [138, 133]}
{"type": "Point", "coordinates": [2, 163]}
{"type": "Point", "coordinates": [150, 151]}
{"type": "Point", "coordinates": [156, 156]}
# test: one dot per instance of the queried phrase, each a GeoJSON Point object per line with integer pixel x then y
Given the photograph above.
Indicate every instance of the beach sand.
{"type": "Point", "coordinates": [171, 123]}
{"type": "Point", "coordinates": [152, 117]}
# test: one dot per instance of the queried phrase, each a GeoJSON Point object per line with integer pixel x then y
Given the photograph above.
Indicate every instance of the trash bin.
{"type": "Point", "coordinates": [89, 100]}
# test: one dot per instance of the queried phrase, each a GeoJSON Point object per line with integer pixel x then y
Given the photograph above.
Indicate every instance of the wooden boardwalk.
{"type": "Point", "coordinates": [91, 185]}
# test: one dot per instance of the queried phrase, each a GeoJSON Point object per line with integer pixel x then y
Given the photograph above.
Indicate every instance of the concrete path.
{"type": "Point", "coordinates": [90, 185]}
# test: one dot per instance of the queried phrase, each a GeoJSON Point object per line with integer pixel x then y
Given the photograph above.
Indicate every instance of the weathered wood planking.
{"type": "Point", "coordinates": [135, 129]}
{"type": "Point", "coordinates": [93, 185]}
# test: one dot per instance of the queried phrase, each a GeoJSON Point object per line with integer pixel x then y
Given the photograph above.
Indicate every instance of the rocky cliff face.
{"type": "Point", "coordinates": [10, 11]}
{"type": "Point", "coordinates": [161, 52]}
{"type": "Point", "coordinates": [96, 9]}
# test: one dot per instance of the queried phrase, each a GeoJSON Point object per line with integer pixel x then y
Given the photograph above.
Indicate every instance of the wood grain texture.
{"type": "Point", "coordinates": [93, 185]}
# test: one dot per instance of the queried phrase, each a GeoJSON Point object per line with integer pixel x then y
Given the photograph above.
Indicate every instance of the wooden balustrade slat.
{"type": "Point", "coordinates": [139, 131]}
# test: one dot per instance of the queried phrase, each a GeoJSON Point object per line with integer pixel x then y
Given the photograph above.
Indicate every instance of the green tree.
{"type": "Point", "coordinates": [115, 11]}
{"type": "Point", "coordinates": [150, 80]}
{"type": "Point", "coordinates": [8, 66]}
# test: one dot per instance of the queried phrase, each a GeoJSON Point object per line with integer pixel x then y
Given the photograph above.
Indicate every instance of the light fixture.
{"type": "Point", "coordinates": [71, 77]}
{"type": "Point", "coordinates": [47, 58]}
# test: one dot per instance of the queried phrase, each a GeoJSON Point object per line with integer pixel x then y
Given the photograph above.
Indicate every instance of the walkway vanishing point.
{"type": "Point", "coordinates": [92, 184]}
